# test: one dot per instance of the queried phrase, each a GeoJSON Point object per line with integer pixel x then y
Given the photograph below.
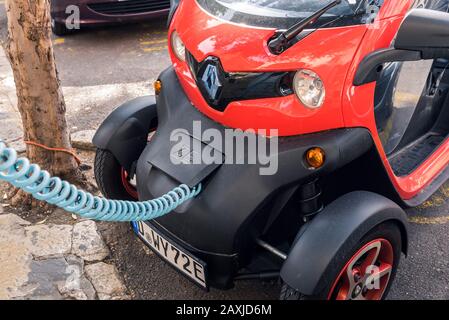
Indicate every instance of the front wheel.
{"type": "Point", "coordinates": [364, 272]}
{"type": "Point", "coordinates": [112, 179]}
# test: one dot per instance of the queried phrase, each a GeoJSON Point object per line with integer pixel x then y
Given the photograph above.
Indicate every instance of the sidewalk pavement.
{"type": "Point", "coordinates": [54, 261]}
{"type": "Point", "coordinates": [87, 107]}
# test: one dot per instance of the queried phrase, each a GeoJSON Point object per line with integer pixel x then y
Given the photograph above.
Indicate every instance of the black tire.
{"type": "Point", "coordinates": [108, 174]}
{"type": "Point", "coordinates": [59, 29]}
{"type": "Point", "coordinates": [389, 231]}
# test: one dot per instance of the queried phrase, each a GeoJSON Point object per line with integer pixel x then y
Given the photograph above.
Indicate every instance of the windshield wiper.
{"type": "Point", "coordinates": [284, 40]}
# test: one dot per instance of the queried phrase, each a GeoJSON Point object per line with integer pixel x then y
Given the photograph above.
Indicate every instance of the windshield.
{"type": "Point", "coordinates": [282, 14]}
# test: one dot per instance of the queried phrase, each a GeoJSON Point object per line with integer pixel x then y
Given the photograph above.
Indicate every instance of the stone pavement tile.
{"type": "Point", "coordinates": [44, 277]}
{"type": "Point", "coordinates": [49, 240]}
{"type": "Point", "coordinates": [87, 242]}
{"type": "Point", "coordinates": [37, 264]}
{"type": "Point", "coordinates": [83, 139]}
{"type": "Point", "coordinates": [57, 279]}
{"type": "Point", "coordinates": [77, 286]}
{"type": "Point", "coordinates": [15, 256]}
{"type": "Point", "coordinates": [11, 220]}
{"type": "Point", "coordinates": [105, 279]}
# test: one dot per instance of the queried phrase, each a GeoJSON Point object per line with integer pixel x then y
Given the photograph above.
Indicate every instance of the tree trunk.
{"type": "Point", "coordinates": [40, 99]}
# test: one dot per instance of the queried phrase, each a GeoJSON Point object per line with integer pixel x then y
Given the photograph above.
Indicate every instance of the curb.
{"type": "Point", "coordinates": [83, 140]}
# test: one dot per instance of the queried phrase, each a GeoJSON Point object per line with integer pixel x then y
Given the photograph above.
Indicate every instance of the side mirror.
{"type": "Point", "coordinates": [426, 31]}
{"type": "Point", "coordinates": [424, 34]}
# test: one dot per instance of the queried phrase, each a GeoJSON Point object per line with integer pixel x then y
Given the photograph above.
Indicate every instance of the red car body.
{"type": "Point", "coordinates": [102, 12]}
{"type": "Point", "coordinates": [333, 53]}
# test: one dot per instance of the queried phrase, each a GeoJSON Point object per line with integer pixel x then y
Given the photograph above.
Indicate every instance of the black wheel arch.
{"type": "Point", "coordinates": [344, 222]}
{"type": "Point", "coordinates": [125, 131]}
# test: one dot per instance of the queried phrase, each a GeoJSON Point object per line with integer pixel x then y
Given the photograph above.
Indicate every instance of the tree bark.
{"type": "Point", "coordinates": [40, 99]}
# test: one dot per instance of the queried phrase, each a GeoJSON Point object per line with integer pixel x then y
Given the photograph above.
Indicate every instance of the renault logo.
{"type": "Point", "coordinates": [211, 81]}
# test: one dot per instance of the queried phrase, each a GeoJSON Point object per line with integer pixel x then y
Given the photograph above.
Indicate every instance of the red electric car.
{"type": "Point", "coordinates": [359, 93]}
{"type": "Point", "coordinates": [103, 12]}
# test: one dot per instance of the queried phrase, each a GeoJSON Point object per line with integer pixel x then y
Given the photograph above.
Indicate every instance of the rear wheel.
{"type": "Point", "coordinates": [112, 179]}
{"type": "Point", "coordinates": [364, 272]}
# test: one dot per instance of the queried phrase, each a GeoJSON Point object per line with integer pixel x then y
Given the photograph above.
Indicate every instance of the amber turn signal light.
{"type": "Point", "coordinates": [315, 158]}
{"type": "Point", "coordinates": [157, 87]}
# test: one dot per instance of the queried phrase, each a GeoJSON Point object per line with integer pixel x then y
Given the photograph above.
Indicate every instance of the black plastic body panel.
{"type": "Point", "coordinates": [222, 265]}
{"type": "Point", "coordinates": [370, 68]}
{"type": "Point", "coordinates": [423, 34]}
{"type": "Point", "coordinates": [426, 31]}
{"type": "Point", "coordinates": [125, 131]}
{"type": "Point", "coordinates": [177, 159]}
{"type": "Point", "coordinates": [220, 220]}
{"type": "Point", "coordinates": [343, 223]}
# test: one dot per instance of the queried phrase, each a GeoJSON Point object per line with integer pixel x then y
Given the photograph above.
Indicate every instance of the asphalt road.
{"type": "Point", "coordinates": [137, 53]}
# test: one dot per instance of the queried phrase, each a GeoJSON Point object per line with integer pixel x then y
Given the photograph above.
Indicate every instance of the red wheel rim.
{"type": "Point", "coordinates": [367, 274]}
{"type": "Point", "coordinates": [129, 187]}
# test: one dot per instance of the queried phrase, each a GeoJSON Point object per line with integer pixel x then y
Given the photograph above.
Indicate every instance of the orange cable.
{"type": "Point", "coordinates": [71, 152]}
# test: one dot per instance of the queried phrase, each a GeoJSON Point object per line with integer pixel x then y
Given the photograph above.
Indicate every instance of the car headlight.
{"type": "Point", "coordinates": [309, 88]}
{"type": "Point", "coordinates": [178, 46]}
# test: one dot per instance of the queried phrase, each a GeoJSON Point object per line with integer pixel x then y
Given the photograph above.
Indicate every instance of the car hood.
{"type": "Point", "coordinates": [243, 48]}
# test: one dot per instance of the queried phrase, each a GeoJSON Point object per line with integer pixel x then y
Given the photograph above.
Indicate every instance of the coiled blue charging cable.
{"type": "Point", "coordinates": [20, 173]}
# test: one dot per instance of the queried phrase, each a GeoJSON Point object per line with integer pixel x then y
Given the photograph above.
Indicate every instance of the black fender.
{"type": "Point", "coordinates": [342, 223]}
{"type": "Point", "coordinates": [125, 131]}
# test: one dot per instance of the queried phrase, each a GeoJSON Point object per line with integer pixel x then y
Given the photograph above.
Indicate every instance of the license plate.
{"type": "Point", "coordinates": [191, 267]}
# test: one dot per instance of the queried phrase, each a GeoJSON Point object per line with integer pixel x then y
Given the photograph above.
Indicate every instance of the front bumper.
{"type": "Point", "coordinates": [237, 204]}
{"type": "Point", "coordinates": [220, 267]}
{"type": "Point", "coordinates": [97, 12]}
